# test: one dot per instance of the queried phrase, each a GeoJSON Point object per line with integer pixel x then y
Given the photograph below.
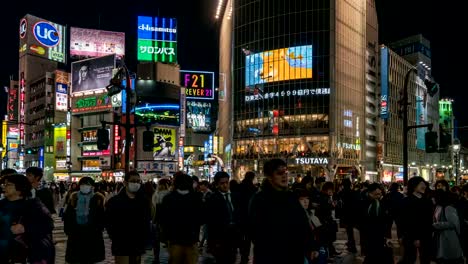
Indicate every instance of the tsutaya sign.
{"type": "Point", "coordinates": [312, 161]}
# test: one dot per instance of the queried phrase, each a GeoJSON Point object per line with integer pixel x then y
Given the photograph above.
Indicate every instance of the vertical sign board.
{"type": "Point", "coordinates": [384, 83]}
{"type": "Point", "coordinates": [157, 39]}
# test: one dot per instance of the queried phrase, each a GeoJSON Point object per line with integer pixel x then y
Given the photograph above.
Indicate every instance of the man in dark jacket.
{"type": "Point", "coordinates": [34, 175]}
{"type": "Point", "coordinates": [374, 225]}
{"type": "Point", "coordinates": [394, 203]}
{"type": "Point", "coordinates": [181, 219]}
{"type": "Point", "coordinates": [128, 216]}
{"type": "Point", "coordinates": [223, 210]}
{"type": "Point", "coordinates": [349, 200]}
{"type": "Point", "coordinates": [279, 228]}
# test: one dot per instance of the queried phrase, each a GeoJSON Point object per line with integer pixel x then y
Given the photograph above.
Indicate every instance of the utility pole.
{"type": "Point", "coordinates": [405, 126]}
{"type": "Point", "coordinates": [128, 108]}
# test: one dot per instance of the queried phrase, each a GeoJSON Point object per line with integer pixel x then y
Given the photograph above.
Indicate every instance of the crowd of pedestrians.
{"type": "Point", "coordinates": [279, 221]}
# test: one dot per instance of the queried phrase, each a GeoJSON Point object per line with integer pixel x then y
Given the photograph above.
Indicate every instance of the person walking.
{"type": "Point", "coordinates": [279, 226]}
{"type": "Point", "coordinates": [374, 223]}
{"type": "Point", "coordinates": [394, 203]}
{"type": "Point", "coordinates": [84, 224]}
{"type": "Point", "coordinates": [181, 220]}
{"type": "Point", "coordinates": [25, 225]}
{"type": "Point", "coordinates": [128, 216]}
{"type": "Point", "coordinates": [158, 196]}
{"type": "Point", "coordinates": [223, 210]}
{"type": "Point", "coordinates": [247, 189]}
{"type": "Point", "coordinates": [417, 223]}
{"type": "Point", "coordinates": [446, 225]}
{"type": "Point", "coordinates": [34, 175]}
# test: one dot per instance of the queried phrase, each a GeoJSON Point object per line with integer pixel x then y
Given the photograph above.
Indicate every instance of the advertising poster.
{"type": "Point", "coordinates": [421, 118]}
{"type": "Point", "coordinates": [90, 43]}
{"type": "Point", "coordinates": [61, 97]}
{"type": "Point", "coordinates": [42, 38]}
{"type": "Point", "coordinates": [199, 116]}
{"type": "Point", "coordinates": [278, 65]}
{"type": "Point", "coordinates": [164, 143]}
{"type": "Point", "coordinates": [92, 74]}
{"type": "Point", "coordinates": [12, 108]}
{"type": "Point", "coordinates": [157, 39]}
{"type": "Point", "coordinates": [60, 138]}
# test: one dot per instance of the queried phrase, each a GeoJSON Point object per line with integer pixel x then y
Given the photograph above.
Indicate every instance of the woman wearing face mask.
{"type": "Point", "coordinates": [84, 223]}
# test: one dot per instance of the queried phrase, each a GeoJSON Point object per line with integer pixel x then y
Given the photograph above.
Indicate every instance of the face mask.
{"type": "Point", "coordinates": [133, 187]}
{"type": "Point", "coordinates": [85, 189]}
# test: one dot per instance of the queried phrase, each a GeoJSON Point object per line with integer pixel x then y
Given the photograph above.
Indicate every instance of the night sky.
{"type": "Point", "coordinates": [197, 33]}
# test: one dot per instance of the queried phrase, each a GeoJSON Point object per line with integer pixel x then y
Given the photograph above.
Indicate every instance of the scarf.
{"type": "Point", "coordinates": [82, 207]}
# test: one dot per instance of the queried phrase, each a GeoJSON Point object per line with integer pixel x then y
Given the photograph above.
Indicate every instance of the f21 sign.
{"type": "Point", "coordinates": [198, 84]}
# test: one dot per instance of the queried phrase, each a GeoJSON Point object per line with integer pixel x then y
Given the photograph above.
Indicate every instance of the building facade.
{"type": "Point", "coordinates": [422, 109]}
{"type": "Point", "coordinates": [298, 85]}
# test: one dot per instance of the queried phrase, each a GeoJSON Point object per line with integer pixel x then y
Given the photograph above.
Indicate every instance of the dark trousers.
{"type": "Point", "coordinates": [245, 245]}
{"type": "Point", "coordinates": [225, 252]}
{"type": "Point", "coordinates": [350, 235]}
{"type": "Point", "coordinates": [410, 252]}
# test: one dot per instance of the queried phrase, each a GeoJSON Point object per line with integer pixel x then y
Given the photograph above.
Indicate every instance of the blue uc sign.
{"type": "Point", "coordinates": [46, 33]}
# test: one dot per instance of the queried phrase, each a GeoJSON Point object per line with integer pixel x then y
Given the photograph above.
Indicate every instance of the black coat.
{"type": "Point", "coordinates": [87, 238]}
{"type": "Point", "coordinates": [417, 218]}
{"type": "Point", "coordinates": [279, 227]}
{"type": "Point", "coordinates": [128, 223]}
{"type": "Point", "coordinates": [45, 196]}
{"type": "Point", "coordinates": [38, 225]}
{"type": "Point", "coordinates": [218, 221]}
{"type": "Point", "coordinates": [246, 192]}
{"type": "Point", "coordinates": [181, 217]}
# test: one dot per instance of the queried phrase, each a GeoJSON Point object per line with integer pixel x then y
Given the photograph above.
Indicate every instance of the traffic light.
{"type": "Point", "coordinates": [103, 139]}
{"type": "Point", "coordinates": [431, 142]}
{"type": "Point", "coordinates": [148, 140]}
{"type": "Point", "coordinates": [432, 87]}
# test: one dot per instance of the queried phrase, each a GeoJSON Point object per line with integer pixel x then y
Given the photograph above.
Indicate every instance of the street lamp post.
{"type": "Point", "coordinates": [456, 152]}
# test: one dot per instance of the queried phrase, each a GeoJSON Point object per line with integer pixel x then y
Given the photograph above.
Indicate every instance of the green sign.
{"type": "Point", "coordinates": [157, 50]}
{"type": "Point", "coordinates": [92, 103]}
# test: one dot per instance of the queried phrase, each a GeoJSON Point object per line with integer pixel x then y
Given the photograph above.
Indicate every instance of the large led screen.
{"type": "Point", "coordinates": [164, 143]}
{"type": "Point", "coordinates": [199, 116]}
{"type": "Point", "coordinates": [158, 113]}
{"type": "Point", "coordinates": [42, 38]}
{"type": "Point", "coordinates": [92, 74]}
{"type": "Point", "coordinates": [279, 65]}
{"type": "Point", "coordinates": [198, 84]}
{"type": "Point", "coordinates": [90, 43]}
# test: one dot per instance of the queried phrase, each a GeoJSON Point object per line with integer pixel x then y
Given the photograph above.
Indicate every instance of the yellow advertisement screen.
{"type": "Point", "coordinates": [164, 143]}
{"type": "Point", "coordinates": [279, 65]}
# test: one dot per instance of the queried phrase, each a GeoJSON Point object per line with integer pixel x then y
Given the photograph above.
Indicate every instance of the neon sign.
{"type": "Point", "coordinates": [199, 84]}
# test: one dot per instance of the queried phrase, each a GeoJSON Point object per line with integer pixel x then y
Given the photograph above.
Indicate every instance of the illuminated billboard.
{"type": "Point", "coordinates": [199, 116]}
{"type": "Point", "coordinates": [157, 39]}
{"type": "Point", "coordinates": [12, 107]}
{"type": "Point", "coordinates": [421, 119]}
{"type": "Point", "coordinates": [164, 143]}
{"type": "Point", "coordinates": [384, 83]}
{"type": "Point", "coordinates": [90, 43]}
{"type": "Point", "coordinates": [162, 114]}
{"type": "Point", "coordinates": [198, 84]}
{"type": "Point", "coordinates": [61, 91]}
{"type": "Point", "coordinates": [60, 138]}
{"type": "Point", "coordinates": [91, 103]}
{"type": "Point", "coordinates": [278, 65]}
{"type": "Point", "coordinates": [92, 74]}
{"type": "Point", "coordinates": [42, 38]}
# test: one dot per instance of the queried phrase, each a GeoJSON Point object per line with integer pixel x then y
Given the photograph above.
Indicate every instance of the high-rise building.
{"type": "Point", "coordinates": [42, 48]}
{"type": "Point", "coordinates": [298, 85]}
{"type": "Point", "coordinates": [422, 109]}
